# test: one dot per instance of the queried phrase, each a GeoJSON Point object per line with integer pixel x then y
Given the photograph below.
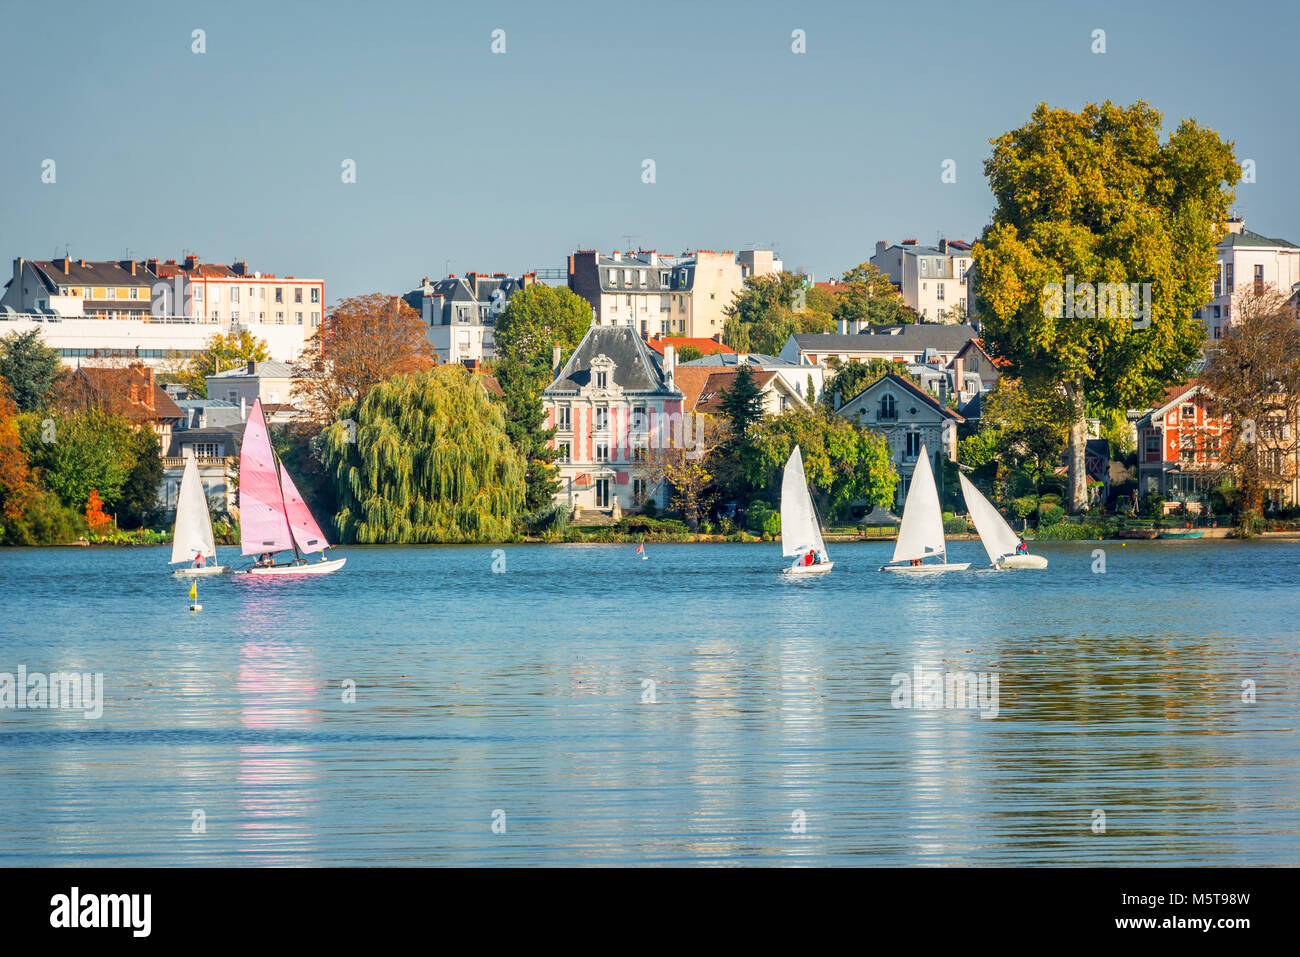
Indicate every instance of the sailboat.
{"type": "Point", "coordinates": [998, 538]}
{"type": "Point", "coordinates": [272, 515]}
{"type": "Point", "coordinates": [801, 533]}
{"type": "Point", "coordinates": [192, 535]}
{"type": "Point", "coordinates": [920, 535]}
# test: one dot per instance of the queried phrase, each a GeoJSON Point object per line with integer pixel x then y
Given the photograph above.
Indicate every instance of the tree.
{"type": "Point", "coordinates": [428, 461]}
{"type": "Point", "coordinates": [770, 309]}
{"type": "Point", "coordinates": [525, 418]}
{"type": "Point", "coordinates": [220, 353]}
{"type": "Point", "coordinates": [1024, 425]}
{"type": "Point", "coordinates": [1253, 377]}
{"type": "Point", "coordinates": [15, 482]}
{"type": "Point", "coordinates": [687, 466]}
{"type": "Point", "coordinates": [1095, 198]}
{"type": "Point", "coordinates": [362, 342]}
{"type": "Point", "coordinates": [536, 319]}
{"type": "Point", "coordinates": [866, 294]}
{"type": "Point", "coordinates": [689, 353]}
{"type": "Point", "coordinates": [137, 502]}
{"type": "Point", "coordinates": [31, 369]}
{"type": "Point", "coordinates": [852, 379]}
{"type": "Point", "coordinates": [76, 454]}
{"type": "Point", "coordinates": [741, 408]}
{"type": "Point", "coordinates": [844, 464]}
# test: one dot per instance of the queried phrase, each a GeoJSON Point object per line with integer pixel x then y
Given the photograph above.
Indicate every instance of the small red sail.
{"type": "Point", "coordinates": [263, 526]}
{"type": "Point", "coordinates": [305, 530]}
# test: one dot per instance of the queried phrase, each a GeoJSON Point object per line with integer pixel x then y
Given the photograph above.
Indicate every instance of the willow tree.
{"type": "Point", "coordinates": [1102, 244]}
{"type": "Point", "coordinates": [424, 458]}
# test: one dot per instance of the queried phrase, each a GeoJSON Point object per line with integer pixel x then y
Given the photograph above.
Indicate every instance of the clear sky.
{"type": "Point", "coordinates": [508, 162]}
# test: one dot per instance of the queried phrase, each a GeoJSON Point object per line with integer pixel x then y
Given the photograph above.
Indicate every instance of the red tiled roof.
{"type": "Point", "coordinates": [704, 392]}
{"type": "Point", "coordinates": [706, 346]}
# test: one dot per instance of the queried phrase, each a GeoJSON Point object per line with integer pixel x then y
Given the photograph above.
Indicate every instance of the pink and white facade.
{"type": "Point", "coordinates": [611, 403]}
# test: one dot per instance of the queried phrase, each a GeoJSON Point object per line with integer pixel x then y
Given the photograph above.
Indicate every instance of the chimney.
{"type": "Point", "coordinates": [555, 361]}
{"type": "Point", "coordinates": [742, 358]}
{"type": "Point", "coordinates": [670, 363]}
{"type": "Point", "coordinates": [252, 367]}
{"type": "Point", "coordinates": [958, 382]}
{"type": "Point", "coordinates": [909, 242]}
{"type": "Point", "coordinates": [66, 263]}
{"type": "Point", "coordinates": [881, 246]}
{"type": "Point", "coordinates": [717, 337]}
{"type": "Point", "coordinates": [191, 261]}
{"type": "Point", "coordinates": [1236, 224]}
{"type": "Point", "coordinates": [844, 327]}
{"type": "Point", "coordinates": [243, 412]}
{"type": "Point", "coordinates": [943, 246]}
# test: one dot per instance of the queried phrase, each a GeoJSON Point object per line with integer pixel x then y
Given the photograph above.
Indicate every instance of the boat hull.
{"type": "Point", "coordinates": [927, 569]}
{"type": "Point", "coordinates": [307, 568]}
{"type": "Point", "coordinates": [203, 572]}
{"type": "Point", "coordinates": [1178, 535]}
{"type": "Point", "coordinates": [1023, 561]}
{"type": "Point", "coordinates": [802, 570]}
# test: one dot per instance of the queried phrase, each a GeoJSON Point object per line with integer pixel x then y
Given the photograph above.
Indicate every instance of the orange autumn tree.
{"type": "Point", "coordinates": [363, 341]}
{"type": "Point", "coordinates": [16, 487]}
{"type": "Point", "coordinates": [95, 517]}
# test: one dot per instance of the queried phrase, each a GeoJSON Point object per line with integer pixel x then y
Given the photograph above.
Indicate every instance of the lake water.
{"type": "Point", "coordinates": [506, 718]}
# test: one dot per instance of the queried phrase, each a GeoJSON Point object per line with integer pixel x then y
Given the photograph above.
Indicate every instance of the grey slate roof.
{"type": "Point", "coordinates": [636, 368]}
{"type": "Point", "coordinates": [915, 336]}
{"type": "Point", "coordinates": [754, 359]}
{"type": "Point", "coordinates": [270, 369]}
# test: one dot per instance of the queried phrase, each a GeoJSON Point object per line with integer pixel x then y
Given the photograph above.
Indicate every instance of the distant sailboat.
{"type": "Point", "coordinates": [999, 538]}
{"type": "Point", "coordinates": [192, 536]}
{"type": "Point", "coordinates": [920, 535]}
{"type": "Point", "coordinates": [801, 533]}
{"type": "Point", "coordinates": [272, 515]}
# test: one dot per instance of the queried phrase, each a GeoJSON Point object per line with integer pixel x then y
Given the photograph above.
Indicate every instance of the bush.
{"type": "Point", "coordinates": [764, 521]}
{"type": "Point", "coordinates": [551, 520]}
{"type": "Point", "coordinates": [650, 509]}
{"type": "Point", "coordinates": [1025, 506]}
{"type": "Point", "coordinates": [1067, 531]}
{"type": "Point", "coordinates": [1050, 498]}
{"type": "Point", "coordinates": [1050, 514]}
{"type": "Point", "coordinates": [44, 521]}
{"type": "Point", "coordinates": [1152, 505]}
{"type": "Point", "coordinates": [955, 526]}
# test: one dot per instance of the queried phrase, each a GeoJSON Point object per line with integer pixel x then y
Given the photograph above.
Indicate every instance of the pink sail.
{"type": "Point", "coordinates": [305, 530]}
{"type": "Point", "coordinates": [263, 526]}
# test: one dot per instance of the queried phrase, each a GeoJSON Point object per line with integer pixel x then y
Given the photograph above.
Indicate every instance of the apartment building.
{"type": "Point", "coordinates": [656, 294]}
{"type": "Point", "coordinates": [460, 312]}
{"type": "Point", "coordinates": [931, 279]}
{"type": "Point", "coordinates": [1247, 260]}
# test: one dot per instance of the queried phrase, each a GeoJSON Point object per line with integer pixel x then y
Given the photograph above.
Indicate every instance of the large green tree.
{"type": "Point", "coordinates": [865, 294]}
{"type": "Point", "coordinates": [137, 502]}
{"type": "Point", "coordinates": [31, 369]}
{"type": "Point", "coordinates": [770, 309]}
{"type": "Point", "coordinates": [741, 408]}
{"type": "Point", "coordinates": [428, 460]}
{"type": "Point", "coordinates": [525, 423]}
{"type": "Point", "coordinates": [77, 453]}
{"type": "Point", "coordinates": [536, 319]}
{"type": "Point", "coordinates": [1096, 197]}
{"type": "Point", "coordinates": [844, 464]}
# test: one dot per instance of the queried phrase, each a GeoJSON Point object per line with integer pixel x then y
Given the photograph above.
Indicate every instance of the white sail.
{"type": "Point", "coordinates": [997, 536]}
{"type": "Point", "coordinates": [193, 533]}
{"type": "Point", "coordinates": [799, 528]}
{"type": "Point", "coordinates": [921, 533]}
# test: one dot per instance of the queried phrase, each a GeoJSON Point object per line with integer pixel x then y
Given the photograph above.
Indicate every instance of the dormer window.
{"type": "Point", "coordinates": [602, 380]}
{"type": "Point", "coordinates": [888, 410]}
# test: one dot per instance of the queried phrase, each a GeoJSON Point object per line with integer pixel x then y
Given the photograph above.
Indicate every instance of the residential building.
{"type": "Point", "coordinates": [151, 311]}
{"type": "Point", "coordinates": [912, 343]}
{"type": "Point", "coordinates": [1178, 445]}
{"type": "Point", "coordinates": [651, 293]}
{"type": "Point", "coordinates": [1246, 261]}
{"type": "Point", "coordinates": [931, 279]}
{"type": "Point", "coordinates": [909, 417]}
{"type": "Point", "coordinates": [460, 312]}
{"type": "Point", "coordinates": [758, 262]}
{"type": "Point", "coordinates": [703, 388]}
{"type": "Point", "coordinates": [272, 382]}
{"type": "Point", "coordinates": [128, 391]}
{"type": "Point", "coordinates": [611, 401]}
{"type": "Point", "coordinates": [796, 377]}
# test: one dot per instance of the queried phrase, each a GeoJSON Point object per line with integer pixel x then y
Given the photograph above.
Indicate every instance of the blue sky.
{"type": "Point", "coordinates": [508, 162]}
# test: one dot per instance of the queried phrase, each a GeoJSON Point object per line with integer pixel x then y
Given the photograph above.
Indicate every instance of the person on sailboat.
{"type": "Point", "coordinates": [265, 560]}
{"type": "Point", "coordinates": [198, 559]}
{"type": "Point", "coordinates": [1022, 548]}
{"type": "Point", "coordinates": [808, 559]}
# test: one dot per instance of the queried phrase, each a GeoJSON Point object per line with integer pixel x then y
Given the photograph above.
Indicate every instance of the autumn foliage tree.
{"type": "Point", "coordinates": [363, 341]}
{"type": "Point", "coordinates": [1253, 377]}
{"type": "Point", "coordinates": [1094, 198]}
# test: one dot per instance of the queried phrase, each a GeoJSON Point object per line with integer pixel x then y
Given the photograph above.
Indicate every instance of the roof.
{"type": "Point", "coordinates": [1248, 238]}
{"type": "Point", "coordinates": [165, 406]}
{"type": "Point", "coordinates": [716, 383]}
{"type": "Point", "coordinates": [270, 369]}
{"type": "Point", "coordinates": [759, 359]}
{"type": "Point", "coordinates": [907, 386]}
{"type": "Point", "coordinates": [706, 345]}
{"type": "Point", "coordinates": [636, 367]}
{"type": "Point", "coordinates": [84, 272]}
{"type": "Point", "coordinates": [1174, 395]}
{"type": "Point", "coordinates": [917, 336]}
{"type": "Point", "coordinates": [490, 385]}
{"type": "Point", "coordinates": [979, 344]}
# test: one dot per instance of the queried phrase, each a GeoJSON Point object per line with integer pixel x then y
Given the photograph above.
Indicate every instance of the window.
{"type": "Point", "coordinates": [640, 279]}
{"type": "Point", "coordinates": [279, 318]}
{"type": "Point", "coordinates": [640, 421]}
{"type": "Point", "coordinates": [279, 294]}
{"type": "Point", "coordinates": [939, 291]}
{"type": "Point", "coordinates": [638, 491]}
{"type": "Point", "coordinates": [1189, 410]}
{"type": "Point", "coordinates": [1197, 312]}
{"type": "Point", "coordinates": [315, 294]}
{"type": "Point", "coordinates": [1217, 332]}
{"type": "Point", "coordinates": [234, 314]}
{"type": "Point", "coordinates": [204, 450]}
{"type": "Point", "coordinates": [629, 300]}
{"type": "Point", "coordinates": [961, 269]}
{"type": "Point", "coordinates": [110, 293]}
{"type": "Point", "coordinates": [602, 452]}
{"type": "Point", "coordinates": [1218, 283]}
{"type": "Point", "coordinates": [924, 263]}
{"type": "Point", "coordinates": [315, 318]}
{"type": "Point", "coordinates": [297, 294]}
{"type": "Point", "coordinates": [602, 418]}
{"type": "Point", "coordinates": [665, 303]}
{"type": "Point", "coordinates": [888, 409]}
{"type": "Point", "coordinates": [602, 380]}
{"type": "Point", "coordinates": [1228, 268]}
{"type": "Point", "coordinates": [297, 316]}
{"type": "Point", "coordinates": [602, 493]}
{"type": "Point", "coordinates": [663, 279]}
{"type": "Point", "coordinates": [1153, 445]}
{"type": "Point", "coordinates": [1259, 279]}
{"type": "Point", "coordinates": [563, 418]}
{"type": "Point", "coordinates": [234, 294]}
{"type": "Point", "coordinates": [565, 451]}
{"type": "Point", "coordinates": [913, 445]}
{"type": "Point", "coordinates": [216, 314]}
{"type": "Point", "coordinates": [1218, 312]}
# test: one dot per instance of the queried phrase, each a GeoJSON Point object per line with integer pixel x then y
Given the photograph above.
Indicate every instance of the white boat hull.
{"type": "Point", "coordinates": [307, 568]}
{"type": "Point", "coordinates": [1023, 561]}
{"type": "Point", "coordinates": [927, 569]}
{"type": "Point", "coordinates": [820, 569]}
{"type": "Point", "coordinates": [203, 572]}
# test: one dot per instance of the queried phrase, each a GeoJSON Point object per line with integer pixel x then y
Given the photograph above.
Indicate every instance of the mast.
{"type": "Point", "coordinates": [284, 508]}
